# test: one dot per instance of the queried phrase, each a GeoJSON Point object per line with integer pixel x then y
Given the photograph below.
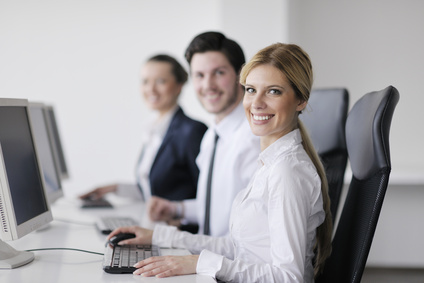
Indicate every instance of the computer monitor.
{"type": "Point", "coordinates": [57, 144]}
{"type": "Point", "coordinates": [44, 145]}
{"type": "Point", "coordinates": [23, 203]}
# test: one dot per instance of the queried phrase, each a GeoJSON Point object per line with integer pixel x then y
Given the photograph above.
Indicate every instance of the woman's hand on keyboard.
{"type": "Point", "coordinates": [165, 266]}
{"type": "Point", "coordinates": [142, 236]}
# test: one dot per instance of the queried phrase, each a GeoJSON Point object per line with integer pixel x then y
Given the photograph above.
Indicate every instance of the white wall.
{"type": "Point", "coordinates": [398, 241]}
{"type": "Point", "coordinates": [366, 46]}
{"type": "Point", "coordinates": [83, 56]}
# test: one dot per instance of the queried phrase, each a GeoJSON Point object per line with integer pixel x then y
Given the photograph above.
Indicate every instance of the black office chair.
{"type": "Point", "coordinates": [325, 119]}
{"type": "Point", "coordinates": [367, 139]}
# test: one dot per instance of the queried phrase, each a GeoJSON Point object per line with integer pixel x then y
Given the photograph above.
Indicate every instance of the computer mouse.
{"type": "Point", "coordinates": [120, 237]}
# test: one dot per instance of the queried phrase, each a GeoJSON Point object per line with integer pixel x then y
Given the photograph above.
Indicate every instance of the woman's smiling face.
{"type": "Point", "coordinates": [270, 104]}
{"type": "Point", "coordinates": [159, 86]}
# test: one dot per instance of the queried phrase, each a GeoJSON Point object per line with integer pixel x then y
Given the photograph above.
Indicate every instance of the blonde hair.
{"type": "Point", "coordinates": [296, 65]}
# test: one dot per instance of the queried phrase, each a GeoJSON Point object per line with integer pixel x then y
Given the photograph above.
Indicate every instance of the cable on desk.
{"type": "Point", "coordinates": [68, 249]}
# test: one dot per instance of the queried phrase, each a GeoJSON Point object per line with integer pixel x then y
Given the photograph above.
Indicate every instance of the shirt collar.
{"type": "Point", "coordinates": [161, 125]}
{"type": "Point", "coordinates": [230, 123]}
{"type": "Point", "coordinates": [279, 146]}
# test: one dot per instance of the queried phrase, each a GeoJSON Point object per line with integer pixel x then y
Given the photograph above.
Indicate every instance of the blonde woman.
{"type": "Point", "coordinates": [281, 222]}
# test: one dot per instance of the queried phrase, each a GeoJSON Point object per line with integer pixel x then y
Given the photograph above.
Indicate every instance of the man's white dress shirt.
{"type": "Point", "coordinates": [272, 226]}
{"type": "Point", "coordinates": [235, 162]}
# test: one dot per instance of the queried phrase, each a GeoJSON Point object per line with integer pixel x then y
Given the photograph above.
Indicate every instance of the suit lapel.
{"type": "Point", "coordinates": [172, 129]}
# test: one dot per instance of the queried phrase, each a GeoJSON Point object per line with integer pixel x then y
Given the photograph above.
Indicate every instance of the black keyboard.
{"type": "Point", "coordinates": [109, 223]}
{"type": "Point", "coordinates": [120, 259]}
{"type": "Point", "coordinates": [96, 203]}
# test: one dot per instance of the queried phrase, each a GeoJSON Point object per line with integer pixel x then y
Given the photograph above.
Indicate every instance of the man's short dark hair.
{"type": "Point", "coordinates": [216, 41]}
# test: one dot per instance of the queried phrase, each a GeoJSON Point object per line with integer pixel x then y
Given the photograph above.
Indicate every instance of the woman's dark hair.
{"type": "Point", "coordinates": [216, 41]}
{"type": "Point", "coordinates": [177, 70]}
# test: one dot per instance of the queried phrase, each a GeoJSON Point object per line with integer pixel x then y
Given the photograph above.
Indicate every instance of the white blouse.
{"type": "Point", "coordinates": [272, 225]}
{"type": "Point", "coordinates": [153, 133]}
{"type": "Point", "coordinates": [152, 140]}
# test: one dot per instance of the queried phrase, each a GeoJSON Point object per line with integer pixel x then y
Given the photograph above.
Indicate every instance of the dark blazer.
{"type": "Point", "coordinates": [174, 172]}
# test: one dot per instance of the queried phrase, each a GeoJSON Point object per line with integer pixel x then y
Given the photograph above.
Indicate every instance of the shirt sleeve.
{"type": "Point", "coordinates": [209, 263]}
{"type": "Point", "coordinates": [190, 209]}
{"type": "Point", "coordinates": [170, 237]}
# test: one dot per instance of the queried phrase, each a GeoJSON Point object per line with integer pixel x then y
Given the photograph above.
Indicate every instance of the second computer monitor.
{"type": "Point", "coordinates": [44, 146]}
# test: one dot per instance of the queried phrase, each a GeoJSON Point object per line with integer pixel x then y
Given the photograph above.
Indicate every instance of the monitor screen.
{"type": "Point", "coordinates": [23, 204]}
{"type": "Point", "coordinates": [57, 144]}
{"type": "Point", "coordinates": [45, 151]}
{"type": "Point", "coordinates": [21, 164]}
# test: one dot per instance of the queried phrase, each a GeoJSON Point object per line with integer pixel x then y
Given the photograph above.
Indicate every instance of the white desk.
{"type": "Point", "coordinates": [59, 266]}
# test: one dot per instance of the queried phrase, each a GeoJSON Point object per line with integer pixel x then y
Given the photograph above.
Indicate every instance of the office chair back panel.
{"type": "Point", "coordinates": [367, 139]}
{"type": "Point", "coordinates": [325, 119]}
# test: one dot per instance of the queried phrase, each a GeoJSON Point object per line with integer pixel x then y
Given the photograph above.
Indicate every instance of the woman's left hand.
{"type": "Point", "coordinates": [165, 266]}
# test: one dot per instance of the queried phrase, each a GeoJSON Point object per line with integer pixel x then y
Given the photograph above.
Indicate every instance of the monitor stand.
{"type": "Point", "coordinates": [11, 258]}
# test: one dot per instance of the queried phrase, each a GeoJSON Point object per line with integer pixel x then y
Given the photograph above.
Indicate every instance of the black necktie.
{"type": "Point", "coordinates": [206, 229]}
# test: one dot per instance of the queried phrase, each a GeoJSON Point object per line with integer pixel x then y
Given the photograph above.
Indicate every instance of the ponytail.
{"type": "Point", "coordinates": [324, 231]}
